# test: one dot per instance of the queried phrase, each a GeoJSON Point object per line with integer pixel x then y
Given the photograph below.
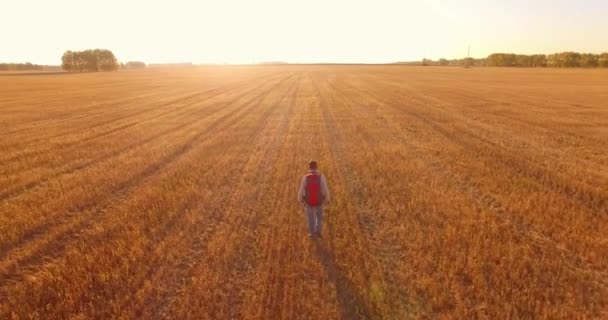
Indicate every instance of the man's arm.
{"type": "Point", "coordinates": [324, 188]}
{"type": "Point", "coordinates": [301, 191]}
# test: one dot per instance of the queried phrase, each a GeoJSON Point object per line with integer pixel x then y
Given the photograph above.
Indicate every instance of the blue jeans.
{"type": "Point", "coordinates": [314, 214]}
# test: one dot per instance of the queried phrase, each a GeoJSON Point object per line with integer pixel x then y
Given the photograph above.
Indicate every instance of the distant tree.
{"type": "Point", "coordinates": [456, 62]}
{"type": "Point", "coordinates": [539, 60]}
{"type": "Point", "coordinates": [510, 60]}
{"type": "Point", "coordinates": [67, 61]}
{"type": "Point", "coordinates": [134, 65]}
{"type": "Point", "coordinates": [602, 60]}
{"type": "Point", "coordinates": [443, 62]}
{"type": "Point", "coordinates": [516, 60]}
{"type": "Point", "coordinates": [79, 61]}
{"type": "Point", "coordinates": [522, 61]}
{"type": "Point", "coordinates": [553, 60]}
{"type": "Point", "coordinates": [89, 60]}
{"type": "Point", "coordinates": [468, 62]}
{"type": "Point", "coordinates": [495, 60]}
{"type": "Point", "coordinates": [588, 60]}
{"type": "Point", "coordinates": [427, 62]}
{"type": "Point", "coordinates": [106, 61]}
{"type": "Point", "coordinates": [569, 59]}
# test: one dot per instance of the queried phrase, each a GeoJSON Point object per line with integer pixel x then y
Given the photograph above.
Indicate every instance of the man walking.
{"type": "Point", "coordinates": [313, 193]}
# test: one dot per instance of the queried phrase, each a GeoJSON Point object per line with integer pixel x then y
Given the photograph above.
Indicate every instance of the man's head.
{"type": "Point", "coordinates": [312, 165]}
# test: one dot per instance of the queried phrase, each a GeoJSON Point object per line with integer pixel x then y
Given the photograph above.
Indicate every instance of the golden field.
{"type": "Point", "coordinates": [171, 193]}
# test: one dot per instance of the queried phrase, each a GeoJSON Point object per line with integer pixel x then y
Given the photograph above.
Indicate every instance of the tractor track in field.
{"type": "Point", "coordinates": [512, 163]}
{"type": "Point", "coordinates": [128, 101]}
{"type": "Point", "coordinates": [512, 99]}
{"type": "Point", "coordinates": [541, 240]}
{"type": "Point", "coordinates": [255, 218]}
{"type": "Point", "coordinates": [586, 197]}
{"type": "Point", "coordinates": [113, 103]}
{"type": "Point", "coordinates": [488, 149]}
{"type": "Point", "coordinates": [488, 201]}
{"type": "Point", "coordinates": [114, 153]}
{"type": "Point", "coordinates": [33, 125]}
{"type": "Point", "coordinates": [185, 267]}
{"type": "Point", "coordinates": [22, 189]}
{"type": "Point", "coordinates": [190, 124]}
{"type": "Point", "coordinates": [243, 270]}
{"type": "Point", "coordinates": [191, 97]}
{"type": "Point", "coordinates": [53, 245]}
{"type": "Point", "coordinates": [184, 108]}
{"type": "Point", "coordinates": [230, 220]}
{"type": "Point", "coordinates": [189, 100]}
{"type": "Point", "coordinates": [192, 229]}
{"type": "Point", "coordinates": [387, 251]}
{"type": "Point", "coordinates": [119, 193]}
{"type": "Point", "coordinates": [352, 303]}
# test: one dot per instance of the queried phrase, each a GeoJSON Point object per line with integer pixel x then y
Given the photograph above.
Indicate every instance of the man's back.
{"type": "Point", "coordinates": [323, 189]}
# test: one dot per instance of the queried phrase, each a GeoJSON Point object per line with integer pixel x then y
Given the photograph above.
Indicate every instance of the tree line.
{"type": "Point", "coordinates": [20, 66]}
{"type": "Point", "coordinates": [556, 60]}
{"type": "Point", "coordinates": [466, 62]}
{"type": "Point", "coordinates": [89, 60]}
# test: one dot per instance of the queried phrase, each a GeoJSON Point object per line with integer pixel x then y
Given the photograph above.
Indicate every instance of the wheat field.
{"type": "Point", "coordinates": [171, 193]}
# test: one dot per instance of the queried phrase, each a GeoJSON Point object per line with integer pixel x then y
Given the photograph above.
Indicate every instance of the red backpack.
{"type": "Point", "coordinates": [313, 195]}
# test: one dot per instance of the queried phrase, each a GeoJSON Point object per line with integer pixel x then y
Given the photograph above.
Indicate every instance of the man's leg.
{"type": "Point", "coordinates": [310, 216]}
{"type": "Point", "coordinates": [319, 214]}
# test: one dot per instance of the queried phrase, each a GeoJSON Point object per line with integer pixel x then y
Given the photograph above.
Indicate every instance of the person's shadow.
{"type": "Point", "coordinates": [352, 304]}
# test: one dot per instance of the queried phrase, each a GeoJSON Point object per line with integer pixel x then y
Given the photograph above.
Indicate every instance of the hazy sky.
{"type": "Point", "coordinates": [238, 31]}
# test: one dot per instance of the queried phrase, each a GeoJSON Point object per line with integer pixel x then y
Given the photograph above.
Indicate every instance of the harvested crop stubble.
{"type": "Point", "coordinates": [160, 193]}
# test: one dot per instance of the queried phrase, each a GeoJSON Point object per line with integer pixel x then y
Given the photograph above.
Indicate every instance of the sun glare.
{"type": "Point", "coordinates": [296, 31]}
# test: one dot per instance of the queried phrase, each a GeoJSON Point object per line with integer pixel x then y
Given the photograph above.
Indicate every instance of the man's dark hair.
{"type": "Point", "coordinates": [312, 165]}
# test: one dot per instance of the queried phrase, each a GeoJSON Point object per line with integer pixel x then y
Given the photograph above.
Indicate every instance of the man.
{"type": "Point", "coordinates": [313, 193]}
